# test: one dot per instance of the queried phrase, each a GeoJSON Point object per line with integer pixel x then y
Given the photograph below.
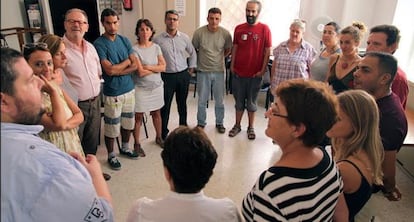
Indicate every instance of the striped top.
{"type": "Point", "coordinates": [291, 194]}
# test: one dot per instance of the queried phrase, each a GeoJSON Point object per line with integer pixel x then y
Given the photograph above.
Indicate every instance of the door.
{"type": "Point", "coordinates": [58, 9]}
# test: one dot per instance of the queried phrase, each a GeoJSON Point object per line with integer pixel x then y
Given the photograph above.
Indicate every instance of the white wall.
{"type": "Point", "coordinates": [13, 15]}
{"type": "Point", "coordinates": [344, 12]}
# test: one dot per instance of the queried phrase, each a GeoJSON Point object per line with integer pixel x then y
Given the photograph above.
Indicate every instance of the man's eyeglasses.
{"type": "Point", "coordinates": [274, 113]}
{"type": "Point", "coordinates": [172, 19]}
{"type": "Point", "coordinates": [73, 21]}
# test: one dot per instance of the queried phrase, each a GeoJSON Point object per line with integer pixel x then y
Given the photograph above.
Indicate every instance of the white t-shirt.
{"type": "Point", "coordinates": [183, 207]}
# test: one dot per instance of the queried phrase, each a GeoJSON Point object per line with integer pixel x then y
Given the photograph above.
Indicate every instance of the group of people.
{"type": "Point", "coordinates": [53, 90]}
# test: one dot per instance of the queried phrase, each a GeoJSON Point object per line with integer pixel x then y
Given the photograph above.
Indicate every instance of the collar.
{"type": "Point", "coordinates": [72, 45]}
{"type": "Point", "coordinates": [21, 128]}
{"type": "Point", "coordinates": [186, 196]}
{"type": "Point", "coordinates": [166, 35]}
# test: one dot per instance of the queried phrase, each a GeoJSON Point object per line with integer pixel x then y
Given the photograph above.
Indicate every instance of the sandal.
{"type": "Point", "coordinates": [159, 141]}
{"type": "Point", "coordinates": [250, 133]}
{"type": "Point", "coordinates": [234, 131]}
{"type": "Point", "coordinates": [138, 149]}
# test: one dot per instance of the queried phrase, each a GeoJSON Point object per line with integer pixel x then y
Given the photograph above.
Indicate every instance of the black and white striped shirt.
{"type": "Point", "coordinates": [291, 194]}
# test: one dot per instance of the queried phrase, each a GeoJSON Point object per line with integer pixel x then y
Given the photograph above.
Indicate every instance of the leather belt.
{"type": "Point", "coordinates": [89, 100]}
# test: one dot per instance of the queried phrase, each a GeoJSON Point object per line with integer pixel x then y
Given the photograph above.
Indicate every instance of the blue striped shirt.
{"type": "Point", "coordinates": [176, 49]}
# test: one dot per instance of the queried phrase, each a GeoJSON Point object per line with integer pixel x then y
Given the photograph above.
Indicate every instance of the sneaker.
{"type": "Point", "coordinates": [114, 163]}
{"type": "Point", "coordinates": [129, 153]}
{"type": "Point", "coordinates": [220, 128]}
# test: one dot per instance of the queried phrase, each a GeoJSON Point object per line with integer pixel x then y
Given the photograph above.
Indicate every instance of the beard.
{"type": "Point", "coordinates": [251, 19]}
{"type": "Point", "coordinates": [27, 116]}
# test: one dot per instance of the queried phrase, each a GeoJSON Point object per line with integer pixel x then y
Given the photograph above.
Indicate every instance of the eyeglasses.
{"type": "Point", "coordinates": [172, 19]}
{"type": "Point", "coordinates": [73, 21]}
{"type": "Point", "coordinates": [275, 113]}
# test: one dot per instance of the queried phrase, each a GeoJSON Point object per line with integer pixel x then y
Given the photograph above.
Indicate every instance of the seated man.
{"type": "Point", "coordinates": [39, 182]}
{"type": "Point", "coordinates": [189, 159]}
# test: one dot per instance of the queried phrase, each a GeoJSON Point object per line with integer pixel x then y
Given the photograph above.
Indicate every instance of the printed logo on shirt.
{"type": "Point", "coordinates": [95, 214]}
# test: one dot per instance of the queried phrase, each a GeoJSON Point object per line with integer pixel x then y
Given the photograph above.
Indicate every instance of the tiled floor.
{"type": "Point", "coordinates": [239, 163]}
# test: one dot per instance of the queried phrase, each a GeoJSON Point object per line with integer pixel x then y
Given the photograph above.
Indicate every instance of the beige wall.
{"type": "Point", "coordinates": [154, 10]}
{"type": "Point", "coordinates": [13, 15]}
{"type": "Point", "coordinates": [410, 99]}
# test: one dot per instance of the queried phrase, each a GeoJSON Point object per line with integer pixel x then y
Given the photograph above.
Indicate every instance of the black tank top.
{"type": "Point", "coordinates": [340, 85]}
{"type": "Point", "coordinates": [356, 200]}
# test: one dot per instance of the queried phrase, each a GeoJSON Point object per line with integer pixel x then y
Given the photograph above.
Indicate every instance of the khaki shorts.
{"type": "Point", "coordinates": [119, 112]}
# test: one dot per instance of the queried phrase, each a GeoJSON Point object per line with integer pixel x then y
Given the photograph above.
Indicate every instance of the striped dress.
{"type": "Point", "coordinates": [291, 194]}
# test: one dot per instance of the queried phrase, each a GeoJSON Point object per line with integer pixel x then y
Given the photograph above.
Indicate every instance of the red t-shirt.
{"type": "Point", "coordinates": [251, 43]}
{"type": "Point", "coordinates": [400, 86]}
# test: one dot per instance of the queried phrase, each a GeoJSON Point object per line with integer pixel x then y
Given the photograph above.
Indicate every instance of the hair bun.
{"type": "Point", "coordinates": [360, 25]}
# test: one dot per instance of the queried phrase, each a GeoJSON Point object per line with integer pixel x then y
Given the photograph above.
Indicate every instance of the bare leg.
{"type": "Point", "coordinates": [138, 123]}
{"type": "Point", "coordinates": [239, 115]}
{"type": "Point", "coordinates": [109, 143]}
{"type": "Point", "coordinates": [156, 120]}
{"type": "Point", "coordinates": [125, 134]}
{"type": "Point", "coordinates": [251, 119]}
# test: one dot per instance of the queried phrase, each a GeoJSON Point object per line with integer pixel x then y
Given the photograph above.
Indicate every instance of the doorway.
{"type": "Point", "coordinates": [58, 9]}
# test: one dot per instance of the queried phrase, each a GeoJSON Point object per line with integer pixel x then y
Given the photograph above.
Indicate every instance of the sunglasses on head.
{"type": "Point", "coordinates": [41, 45]}
{"type": "Point", "coordinates": [29, 48]}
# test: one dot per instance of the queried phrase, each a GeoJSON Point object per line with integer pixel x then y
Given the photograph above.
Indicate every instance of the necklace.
{"type": "Point", "coordinates": [346, 64]}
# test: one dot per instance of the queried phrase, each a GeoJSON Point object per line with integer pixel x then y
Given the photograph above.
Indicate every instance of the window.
{"type": "Point", "coordinates": [403, 18]}
{"type": "Point", "coordinates": [276, 14]}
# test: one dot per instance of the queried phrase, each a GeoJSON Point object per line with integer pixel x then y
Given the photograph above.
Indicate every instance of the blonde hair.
{"type": "Point", "coordinates": [356, 30]}
{"type": "Point", "coordinates": [53, 42]}
{"type": "Point", "coordinates": [362, 110]}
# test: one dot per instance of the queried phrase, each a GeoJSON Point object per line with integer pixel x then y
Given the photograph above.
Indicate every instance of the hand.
{"type": "Point", "coordinates": [90, 163]}
{"type": "Point", "coordinates": [47, 87]}
{"type": "Point", "coordinates": [191, 70]}
{"type": "Point", "coordinates": [393, 195]}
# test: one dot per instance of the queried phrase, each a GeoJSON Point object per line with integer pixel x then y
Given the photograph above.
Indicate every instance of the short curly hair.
{"type": "Point", "coordinates": [310, 103]}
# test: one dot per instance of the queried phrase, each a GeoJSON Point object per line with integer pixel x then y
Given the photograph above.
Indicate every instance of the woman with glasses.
{"type": "Point", "coordinates": [357, 147]}
{"type": "Point", "coordinates": [57, 49]}
{"type": "Point", "coordinates": [304, 184]}
{"type": "Point", "coordinates": [62, 116]}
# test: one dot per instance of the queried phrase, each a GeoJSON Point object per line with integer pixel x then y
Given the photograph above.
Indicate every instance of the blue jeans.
{"type": "Point", "coordinates": [207, 81]}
